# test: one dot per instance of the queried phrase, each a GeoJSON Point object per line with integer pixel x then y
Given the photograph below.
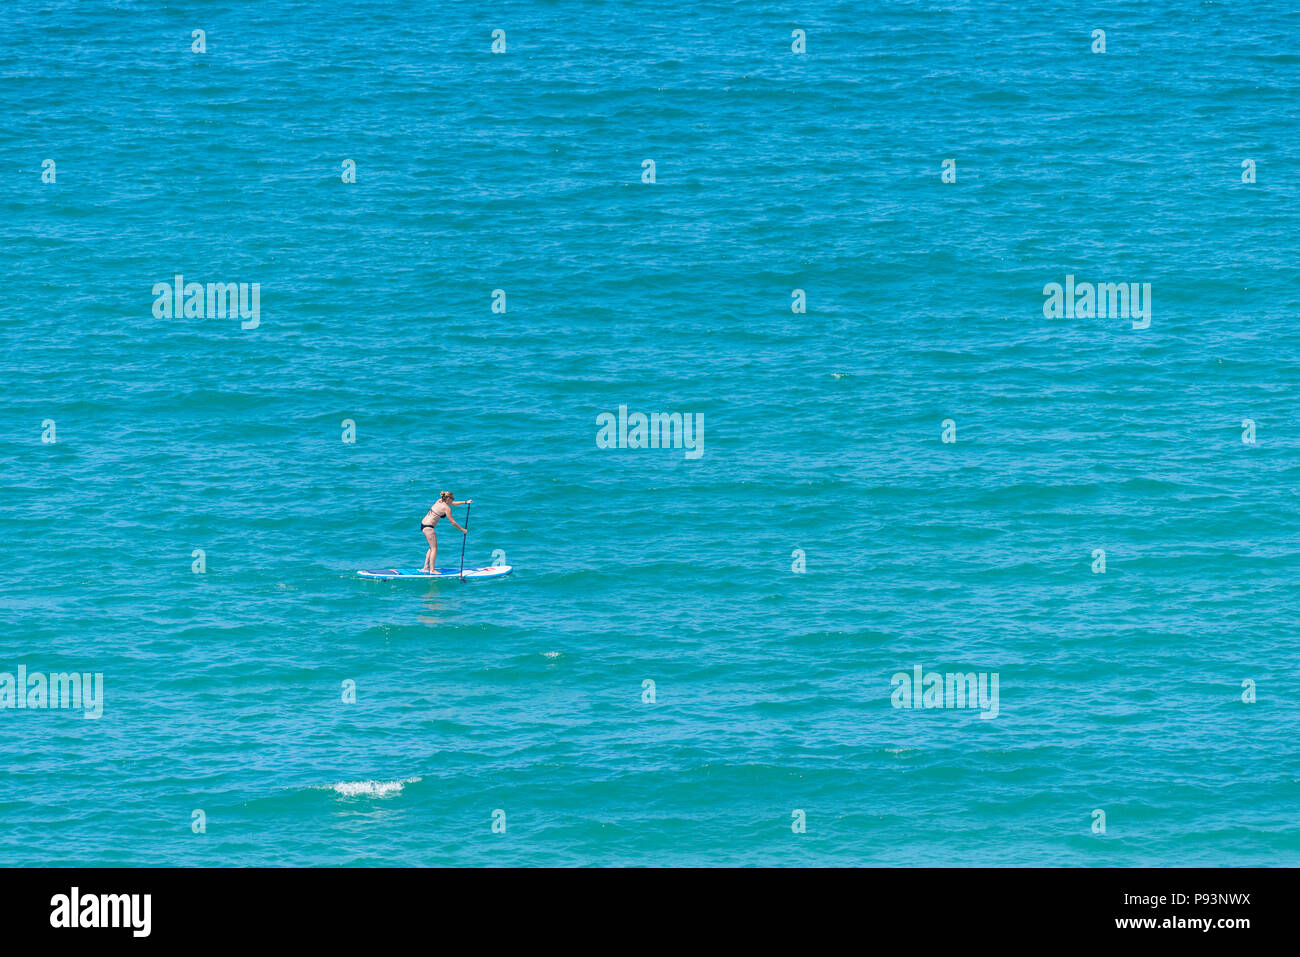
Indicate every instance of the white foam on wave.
{"type": "Point", "coordinates": [372, 788]}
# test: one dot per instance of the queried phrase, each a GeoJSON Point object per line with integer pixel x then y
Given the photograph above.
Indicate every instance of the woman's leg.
{"type": "Point", "coordinates": [431, 555]}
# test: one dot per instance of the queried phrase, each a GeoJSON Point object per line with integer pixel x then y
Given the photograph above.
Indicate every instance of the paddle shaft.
{"type": "Point", "coordinates": [462, 543]}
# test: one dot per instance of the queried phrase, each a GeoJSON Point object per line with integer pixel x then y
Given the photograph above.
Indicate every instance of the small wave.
{"type": "Point", "coordinates": [372, 788]}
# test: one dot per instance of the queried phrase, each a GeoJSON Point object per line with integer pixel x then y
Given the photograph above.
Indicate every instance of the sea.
{"type": "Point", "coordinates": [887, 410]}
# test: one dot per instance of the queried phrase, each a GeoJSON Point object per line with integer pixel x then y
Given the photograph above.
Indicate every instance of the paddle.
{"type": "Point", "coordinates": [462, 542]}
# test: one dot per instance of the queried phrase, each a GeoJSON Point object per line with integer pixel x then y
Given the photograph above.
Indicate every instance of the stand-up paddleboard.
{"type": "Point", "coordinates": [491, 571]}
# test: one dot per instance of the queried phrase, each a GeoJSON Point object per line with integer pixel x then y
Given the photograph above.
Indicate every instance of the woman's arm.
{"type": "Point", "coordinates": [468, 501]}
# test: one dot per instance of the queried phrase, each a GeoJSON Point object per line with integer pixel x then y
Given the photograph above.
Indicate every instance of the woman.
{"type": "Point", "coordinates": [439, 508]}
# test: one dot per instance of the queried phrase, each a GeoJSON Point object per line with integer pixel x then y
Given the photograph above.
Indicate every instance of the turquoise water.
{"type": "Point", "coordinates": [223, 691]}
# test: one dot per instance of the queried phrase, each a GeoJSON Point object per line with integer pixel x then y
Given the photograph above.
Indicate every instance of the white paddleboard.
{"type": "Point", "coordinates": [491, 571]}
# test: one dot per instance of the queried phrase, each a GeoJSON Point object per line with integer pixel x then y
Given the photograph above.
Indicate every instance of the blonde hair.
{"type": "Point", "coordinates": [446, 496]}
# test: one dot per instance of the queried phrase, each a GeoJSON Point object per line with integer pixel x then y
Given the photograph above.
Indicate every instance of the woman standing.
{"type": "Point", "coordinates": [436, 511]}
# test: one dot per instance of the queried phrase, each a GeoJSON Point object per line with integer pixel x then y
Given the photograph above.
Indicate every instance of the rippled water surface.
{"type": "Point", "coordinates": [223, 692]}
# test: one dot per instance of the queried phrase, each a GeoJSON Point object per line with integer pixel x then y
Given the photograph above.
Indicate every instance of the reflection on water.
{"type": "Point", "coordinates": [431, 606]}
